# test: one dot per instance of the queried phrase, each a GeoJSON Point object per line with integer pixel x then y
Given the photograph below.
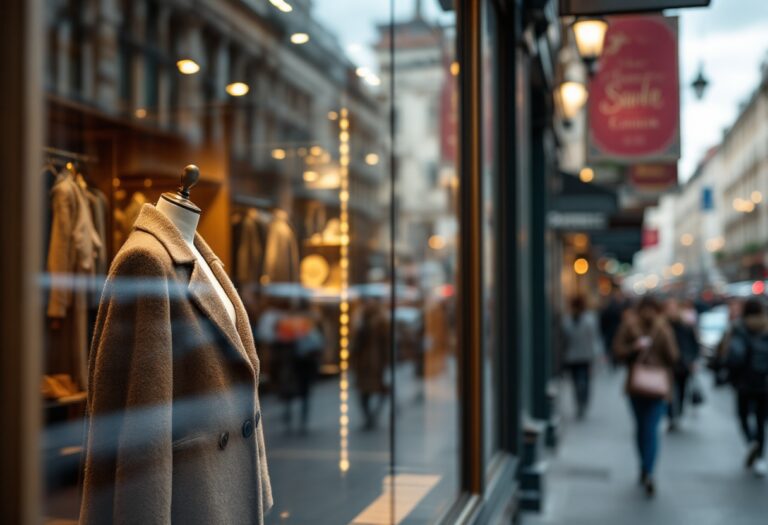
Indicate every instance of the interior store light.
{"type": "Point", "coordinates": [282, 5]}
{"type": "Point", "coordinates": [187, 66]}
{"type": "Point", "coordinates": [278, 154]}
{"type": "Point", "coordinates": [299, 38]}
{"type": "Point", "coordinates": [756, 197]}
{"type": "Point", "coordinates": [372, 159]}
{"type": "Point", "coordinates": [238, 89]}
{"type": "Point", "coordinates": [140, 113]}
{"type": "Point", "coordinates": [332, 115]}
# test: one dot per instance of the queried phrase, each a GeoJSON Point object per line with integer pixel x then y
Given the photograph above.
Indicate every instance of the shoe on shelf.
{"type": "Point", "coordinates": [760, 468]}
{"type": "Point", "coordinates": [753, 453]}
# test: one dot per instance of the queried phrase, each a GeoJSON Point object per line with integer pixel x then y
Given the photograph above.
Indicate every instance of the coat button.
{"type": "Point", "coordinates": [257, 418]}
{"type": "Point", "coordinates": [223, 440]}
{"type": "Point", "coordinates": [248, 428]}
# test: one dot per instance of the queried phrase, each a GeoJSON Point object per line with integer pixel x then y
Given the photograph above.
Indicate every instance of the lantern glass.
{"type": "Point", "coordinates": [573, 96]}
{"type": "Point", "coordinates": [590, 37]}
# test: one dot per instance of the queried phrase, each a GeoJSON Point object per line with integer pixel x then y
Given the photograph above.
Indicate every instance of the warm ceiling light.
{"type": "Point", "coordinates": [311, 176]}
{"type": "Point", "coordinates": [282, 5]}
{"type": "Point", "coordinates": [573, 96]}
{"type": "Point", "coordinates": [581, 266]}
{"type": "Point", "coordinates": [237, 89]}
{"type": "Point", "coordinates": [586, 174]}
{"type": "Point", "coordinates": [686, 239]}
{"type": "Point", "coordinates": [278, 153]}
{"type": "Point", "coordinates": [316, 151]}
{"type": "Point", "coordinates": [299, 38]}
{"type": "Point", "coordinates": [187, 66]}
{"type": "Point", "coordinates": [590, 37]}
{"type": "Point", "coordinates": [756, 197]}
{"type": "Point", "coordinates": [678, 269]}
{"type": "Point", "coordinates": [455, 68]}
{"type": "Point", "coordinates": [140, 113]}
{"type": "Point", "coordinates": [372, 159]}
{"type": "Point", "coordinates": [332, 115]}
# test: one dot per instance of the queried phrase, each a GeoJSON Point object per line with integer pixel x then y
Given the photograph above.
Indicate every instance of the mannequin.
{"type": "Point", "coordinates": [185, 216]}
{"type": "Point", "coordinates": [175, 433]}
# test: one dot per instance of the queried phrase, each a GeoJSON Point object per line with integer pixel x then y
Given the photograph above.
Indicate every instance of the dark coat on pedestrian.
{"type": "Point", "coordinates": [370, 351]}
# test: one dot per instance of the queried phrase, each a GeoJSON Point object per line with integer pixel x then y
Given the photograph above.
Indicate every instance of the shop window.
{"type": "Point", "coordinates": [349, 323]}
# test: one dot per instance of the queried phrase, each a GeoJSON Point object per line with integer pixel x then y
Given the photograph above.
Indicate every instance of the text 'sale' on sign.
{"type": "Point", "coordinates": [634, 106]}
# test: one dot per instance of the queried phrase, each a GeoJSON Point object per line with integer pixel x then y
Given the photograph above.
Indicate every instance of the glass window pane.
{"type": "Point", "coordinates": [426, 255]}
{"type": "Point", "coordinates": [252, 342]}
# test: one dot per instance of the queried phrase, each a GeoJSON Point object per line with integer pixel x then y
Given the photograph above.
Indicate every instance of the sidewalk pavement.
{"type": "Point", "coordinates": [700, 478]}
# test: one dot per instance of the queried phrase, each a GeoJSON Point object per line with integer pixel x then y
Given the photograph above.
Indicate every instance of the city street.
{"type": "Point", "coordinates": [701, 480]}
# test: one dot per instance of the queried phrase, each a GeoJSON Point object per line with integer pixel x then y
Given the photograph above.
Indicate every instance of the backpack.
{"type": "Point", "coordinates": [756, 363]}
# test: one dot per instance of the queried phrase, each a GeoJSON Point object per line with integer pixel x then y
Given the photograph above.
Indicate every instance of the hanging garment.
{"type": "Point", "coordinates": [72, 253]}
{"type": "Point", "coordinates": [281, 259]}
{"type": "Point", "coordinates": [251, 241]}
{"type": "Point", "coordinates": [99, 207]}
{"type": "Point", "coordinates": [174, 421]}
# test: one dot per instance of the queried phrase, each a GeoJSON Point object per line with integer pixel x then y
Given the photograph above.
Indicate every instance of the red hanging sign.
{"type": "Point", "coordinates": [634, 106]}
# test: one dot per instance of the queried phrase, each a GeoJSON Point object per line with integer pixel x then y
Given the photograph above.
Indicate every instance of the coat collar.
{"type": "Point", "coordinates": [202, 292]}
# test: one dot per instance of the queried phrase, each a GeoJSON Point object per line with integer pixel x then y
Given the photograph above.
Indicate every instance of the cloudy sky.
{"type": "Point", "coordinates": [730, 38]}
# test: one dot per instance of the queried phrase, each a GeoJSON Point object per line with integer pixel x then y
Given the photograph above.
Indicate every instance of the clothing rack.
{"type": "Point", "coordinates": [253, 202]}
{"type": "Point", "coordinates": [71, 155]}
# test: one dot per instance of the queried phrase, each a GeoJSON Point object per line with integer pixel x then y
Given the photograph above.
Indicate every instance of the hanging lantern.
{"type": "Point", "coordinates": [590, 37]}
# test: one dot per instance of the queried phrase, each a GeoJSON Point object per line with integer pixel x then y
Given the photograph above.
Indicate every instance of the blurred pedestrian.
{"type": "Point", "coordinates": [645, 342]}
{"type": "Point", "coordinates": [682, 319]}
{"type": "Point", "coordinates": [744, 354]}
{"type": "Point", "coordinates": [369, 359]}
{"type": "Point", "coordinates": [582, 345]}
{"type": "Point", "coordinates": [610, 319]}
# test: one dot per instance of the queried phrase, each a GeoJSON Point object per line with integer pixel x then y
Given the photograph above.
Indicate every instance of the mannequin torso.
{"type": "Point", "coordinates": [186, 221]}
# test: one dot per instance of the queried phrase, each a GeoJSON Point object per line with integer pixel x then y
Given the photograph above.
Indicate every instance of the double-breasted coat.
{"type": "Point", "coordinates": [174, 428]}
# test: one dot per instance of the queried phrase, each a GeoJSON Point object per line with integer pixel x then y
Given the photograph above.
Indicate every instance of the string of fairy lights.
{"type": "Point", "coordinates": [344, 321]}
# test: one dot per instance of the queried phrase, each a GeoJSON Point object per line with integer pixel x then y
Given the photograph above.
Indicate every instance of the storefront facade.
{"type": "Point", "coordinates": [375, 190]}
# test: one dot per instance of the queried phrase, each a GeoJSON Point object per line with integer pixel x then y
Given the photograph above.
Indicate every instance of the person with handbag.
{"type": "Point", "coordinates": [646, 343]}
{"type": "Point", "coordinates": [743, 354]}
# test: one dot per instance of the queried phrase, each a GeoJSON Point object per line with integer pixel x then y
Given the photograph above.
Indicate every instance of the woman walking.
{"type": "Point", "coordinates": [583, 343]}
{"type": "Point", "coordinates": [744, 354]}
{"type": "Point", "coordinates": [645, 342]}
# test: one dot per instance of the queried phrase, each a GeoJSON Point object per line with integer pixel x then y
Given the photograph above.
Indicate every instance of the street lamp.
{"type": "Point", "coordinates": [590, 37]}
{"type": "Point", "coordinates": [573, 95]}
{"type": "Point", "coordinates": [700, 83]}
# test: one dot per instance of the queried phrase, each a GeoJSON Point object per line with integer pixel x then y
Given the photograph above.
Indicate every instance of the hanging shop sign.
{"type": "Point", "coordinates": [634, 106]}
{"type": "Point", "coordinates": [613, 7]}
{"type": "Point", "coordinates": [650, 237]}
{"type": "Point", "coordinates": [576, 221]}
{"type": "Point", "coordinates": [652, 178]}
{"type": "Point", "coordinates": [449, 114]}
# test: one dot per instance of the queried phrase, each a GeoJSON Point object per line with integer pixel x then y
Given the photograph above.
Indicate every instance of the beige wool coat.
{"type": "Point", "coordinates": [174, 428]}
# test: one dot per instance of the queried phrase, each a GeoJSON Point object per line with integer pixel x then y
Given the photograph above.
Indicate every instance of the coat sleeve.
{"type": "Point", "coordinates": [671, 353]}
{"type": "Point", "coordinates": [61, 263]}
{"type": "Point", "coordinates": [128, 465]}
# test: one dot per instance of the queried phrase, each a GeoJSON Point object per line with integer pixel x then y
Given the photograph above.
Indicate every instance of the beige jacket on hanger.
{"type": "Point", "coordinates": [281, 257]}
{"type": "Point", "coordinates": [72, 254]}
{"type": "Point", "coordinates": [174, 421]}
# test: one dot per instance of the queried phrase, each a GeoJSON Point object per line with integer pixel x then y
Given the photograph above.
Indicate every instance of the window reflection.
{"type": "Point", "coordinates": [286, 111]}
